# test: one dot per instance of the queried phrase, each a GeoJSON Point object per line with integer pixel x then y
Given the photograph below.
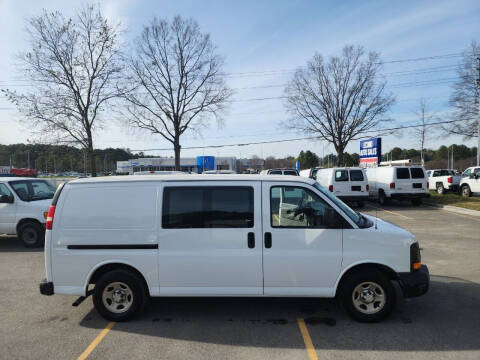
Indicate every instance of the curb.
{"type": "Point", "coordinates": [455, 209]}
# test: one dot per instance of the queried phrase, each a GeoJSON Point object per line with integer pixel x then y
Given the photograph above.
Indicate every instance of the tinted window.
{"type": "Point", "coordinates": [314, 174]}
{"type": "Point", "coordinates": [275, 172]}
{"type": "Point", "coordinates": [301, 208]}
{"type": "Point", "coordinates": [356, 175]}
{"type": "Point", "coordinates": [403, 173]}
{"type": "Point", "coordinates": [4, 190]}
{"type": "Point", "coordinates": [476, 171]}
{"type": "Point", "coordinates": [31, 190]}
{"type": "Point", "coordinates": [290, 172]}
{"type": "Point", "coordinates": [207, 207]}
{"type": "Point", "coordinates": [417, 173]}
{"type": "Point", "coordinates": [341, 175]}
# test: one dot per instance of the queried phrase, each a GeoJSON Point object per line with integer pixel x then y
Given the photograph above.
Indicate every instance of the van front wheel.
{"type": "Point", "coordinates": [368, 295]}
{"type": "Point", "coordinates": [119, 295]}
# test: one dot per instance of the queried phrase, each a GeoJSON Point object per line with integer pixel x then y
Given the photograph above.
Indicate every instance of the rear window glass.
{"type": "Point", "coordinates": [341, 175]}
{"type": "Point", "coordinates": [275, 172]}
{"type": "Point", "coordinates": [290, 172]}
{"type": "Point", "coordinates": [403, 173]}
{"type": "Point", "coordinates": [356, 175]}
{"type": "Point", "coordinates": [417, 173]}
{"type": "Point", "coordinates": [207, 207]}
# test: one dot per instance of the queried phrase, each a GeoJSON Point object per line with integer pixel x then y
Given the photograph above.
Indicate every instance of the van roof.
{"type": "Point", "coordinates": [193, 177]}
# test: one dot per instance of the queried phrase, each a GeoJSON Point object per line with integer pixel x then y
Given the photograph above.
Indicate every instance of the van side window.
{"type": "Point", "coordinates": [341, 175]}
{"type": "Point", "coordinates": [207, 207]}
{"type": "Point", "coordinates": [417, 173]}
{"type": "Point", "coordinates": [403, 173]}
{"type": "Point", "coordinates": [356, 175]}
{"type": "Point", "coordinates": [298, 207]}
{"type": "Point", "coordinates": [467, 172]}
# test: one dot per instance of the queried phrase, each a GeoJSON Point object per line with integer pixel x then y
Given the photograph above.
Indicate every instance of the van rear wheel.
{"type": "Point", "coordinates": [368, 295]}
{"type": "Point", "coordinates": [119, 295]}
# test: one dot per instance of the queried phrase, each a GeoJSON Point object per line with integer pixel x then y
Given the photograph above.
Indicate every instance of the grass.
{"type": "Point", "coordinates": [454, 199]}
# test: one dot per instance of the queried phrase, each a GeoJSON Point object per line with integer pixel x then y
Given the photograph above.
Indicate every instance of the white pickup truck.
{"type": "Point", "coordinates": [443, 180]}
{"type": "Point", "coordinates": [470, 182]}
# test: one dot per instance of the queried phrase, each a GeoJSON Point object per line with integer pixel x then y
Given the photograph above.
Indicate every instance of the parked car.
{"type": "Point", "coordinates": [310, 173]}
{"type": "Point", "coordinates": [348, 184]}
{"type": "Point", "coordinates": [24, 203]}
{"type": "Point", "coordinates": [443, 180]}
{"type": "Point", "coordinates": [192, 235]}
{"type": "Point", "coordinates": [470, 185]}
{"type": "Point", "coordinates": [471, 170]}
{"type": "Point", "coordinates": [398, 182]}
{"type": "Point", "coordinates": [293, 172]}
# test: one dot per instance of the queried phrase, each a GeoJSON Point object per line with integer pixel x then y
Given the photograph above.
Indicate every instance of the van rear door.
{"type": "Point", "coordinates": [210, 240]}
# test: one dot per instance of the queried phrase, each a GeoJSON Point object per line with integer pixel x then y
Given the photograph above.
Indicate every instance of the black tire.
{"type": "Point", "coordinates": [440, 189]}
{"type": "Point", "coordinates": [466, 191]}
{"type": "Point", "coordinates": [382, 199]}
{"type": "Point", "coordinates": [360, 204]}
{"type": "Point", "coordinates": [133, 287]}
{"type": "Point", "coordinates": [378, 281]}
{"type": "Point", "coordinates": [416, 202]}
{"type": "Point", "coordinates": [31, 234]}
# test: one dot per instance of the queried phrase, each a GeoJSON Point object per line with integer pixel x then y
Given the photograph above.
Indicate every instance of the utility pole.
{"type": "Point", "coordinates": [85, 162]}
{"type": "Point", "coordinates": [478, 115]}
{"type": "Point", "coordinates": [28, 153]}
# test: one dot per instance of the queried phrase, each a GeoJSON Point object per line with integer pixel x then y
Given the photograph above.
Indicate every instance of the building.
{"type": "Point", "coordinates": [195, 164]}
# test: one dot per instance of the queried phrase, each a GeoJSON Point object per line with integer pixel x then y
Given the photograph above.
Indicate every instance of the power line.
{"type": "Point", "coordinates": [302, 138]}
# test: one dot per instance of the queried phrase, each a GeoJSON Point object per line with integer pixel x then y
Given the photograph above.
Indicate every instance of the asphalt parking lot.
{"type": "Point", "coordinates": [443, 324]}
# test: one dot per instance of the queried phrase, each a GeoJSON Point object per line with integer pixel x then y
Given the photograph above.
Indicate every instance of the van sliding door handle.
{"type": "Point", "coordinates": [268, 240]}
{"type": "Point", "coordinates": [251, 240]}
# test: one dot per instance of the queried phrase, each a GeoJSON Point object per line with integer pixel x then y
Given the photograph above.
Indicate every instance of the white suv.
{"type": "Point", "coordinates": [24, 205]}
{"type": "Point", "coordinates": [470, 182]}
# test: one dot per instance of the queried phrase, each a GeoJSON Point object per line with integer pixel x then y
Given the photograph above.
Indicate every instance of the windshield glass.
{"type": "Point", "coordinates": [31, 190]}
{"type": "Point", "coordinates": [346, 209]}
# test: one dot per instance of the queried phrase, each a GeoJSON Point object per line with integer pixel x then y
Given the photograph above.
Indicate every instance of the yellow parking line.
{"type": "Point", "coordinates": [312, 355]}
{"type": "Point", "coordinates": [95, 342]}
{"type": "Point", "coordinates": [391, 212]}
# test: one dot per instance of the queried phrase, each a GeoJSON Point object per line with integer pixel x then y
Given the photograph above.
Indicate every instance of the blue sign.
{"type": "Point", "coordinates": [371, 151]}
{"type": "Point", "coordinates": [205, 163]}
{"type": "Point", "coordinates": [297, 165]}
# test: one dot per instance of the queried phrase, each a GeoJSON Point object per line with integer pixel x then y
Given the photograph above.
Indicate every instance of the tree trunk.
{"type": "Point", "coordinates": [339, 155]}
{"type": "Point", "coordinates": [91, 158]}
{"type": "Point", "coordinates": [176, 148]}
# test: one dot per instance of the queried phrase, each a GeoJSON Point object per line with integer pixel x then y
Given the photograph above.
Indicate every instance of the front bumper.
{"type": "Point", "coordinates": [409, 196]}
{"type": "Point", "coordinates": [46, 287]}
{"type": "Point", "coordinates": [353, 198]}
{"type": "Point", "coordinates": [415, 283]}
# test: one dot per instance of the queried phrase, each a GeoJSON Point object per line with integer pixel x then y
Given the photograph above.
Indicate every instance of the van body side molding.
{"type": "Point", "coordinates": [114, 246]}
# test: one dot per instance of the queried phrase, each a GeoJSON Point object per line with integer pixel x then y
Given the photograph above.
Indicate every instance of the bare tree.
{"type": "Point", "coordinates": [340, 99]}
{"type": "Point", "coordinates": [466, 94]}
{"type": "Point", "coordinates": [72, 67]}
{"type": "Point", "coordinates": [423, 131]}
{"type": "Point", "coordinates": [465, 98]}
{"type": "Point", "coordinates": [178, 82]}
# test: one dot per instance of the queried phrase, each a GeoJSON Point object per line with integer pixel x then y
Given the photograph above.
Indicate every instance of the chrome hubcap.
{"type": "Point", "coordinates": [368, 297]}
{"type": "Point", "coordinates": [117, 297]}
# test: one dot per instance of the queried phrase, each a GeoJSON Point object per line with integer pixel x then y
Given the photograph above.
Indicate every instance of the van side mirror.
{"type": "Point", "coordinates": [6, 199]}
{"type": "Point", "coordinates": [473, 176]}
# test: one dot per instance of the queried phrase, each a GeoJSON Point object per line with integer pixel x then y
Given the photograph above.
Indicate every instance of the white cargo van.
{"type": "Point", "coordinates": [125, 238]}
{"type": "Point", "coordinates": [24, 204]}
{"type": "Point", "coordinates": [310, 173]}
{"type": "Point", "coordinates": [347, 183]}
{"type": "Point", "coordinates": [398, 182]}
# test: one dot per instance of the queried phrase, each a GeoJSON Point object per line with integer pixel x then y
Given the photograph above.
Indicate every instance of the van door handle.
{"type": "Point", "coordinates": [268, 240]}
{"type": "Point", "coordinates": [251, 240]}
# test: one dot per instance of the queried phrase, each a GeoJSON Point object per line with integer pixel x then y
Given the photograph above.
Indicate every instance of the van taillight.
{"type": "Point", "coordinates": [450, 179]}
{"type": "Point", "coordinates": [51, 214]}
{"type": "Point", "coordinates": [330, 188]}
{"type": "Point", "coordinates": [392, 185]}
{"type": "Point", "coordinates": [368, 187]}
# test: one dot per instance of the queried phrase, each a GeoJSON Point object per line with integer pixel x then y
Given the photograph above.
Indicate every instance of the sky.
{"type": "Point", "coordinates": [268, 40]}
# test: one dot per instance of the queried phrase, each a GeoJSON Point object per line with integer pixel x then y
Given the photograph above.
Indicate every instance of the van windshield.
{"type": "Point", "coordinates": [355, 217]}
{"type": "Point", "coordinates": [32, 190]}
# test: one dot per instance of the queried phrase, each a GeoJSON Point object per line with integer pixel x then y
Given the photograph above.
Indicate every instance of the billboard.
{"type": "Point", "coordinates": [370, 152]}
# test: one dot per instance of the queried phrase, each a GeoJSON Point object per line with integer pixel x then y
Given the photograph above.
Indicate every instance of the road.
{"type": "Point", "coordinates": [443, 324]}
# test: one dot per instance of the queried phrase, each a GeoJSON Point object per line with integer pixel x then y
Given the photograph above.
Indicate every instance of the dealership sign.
{"type": "Point", "coordinates": [370, 152]}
